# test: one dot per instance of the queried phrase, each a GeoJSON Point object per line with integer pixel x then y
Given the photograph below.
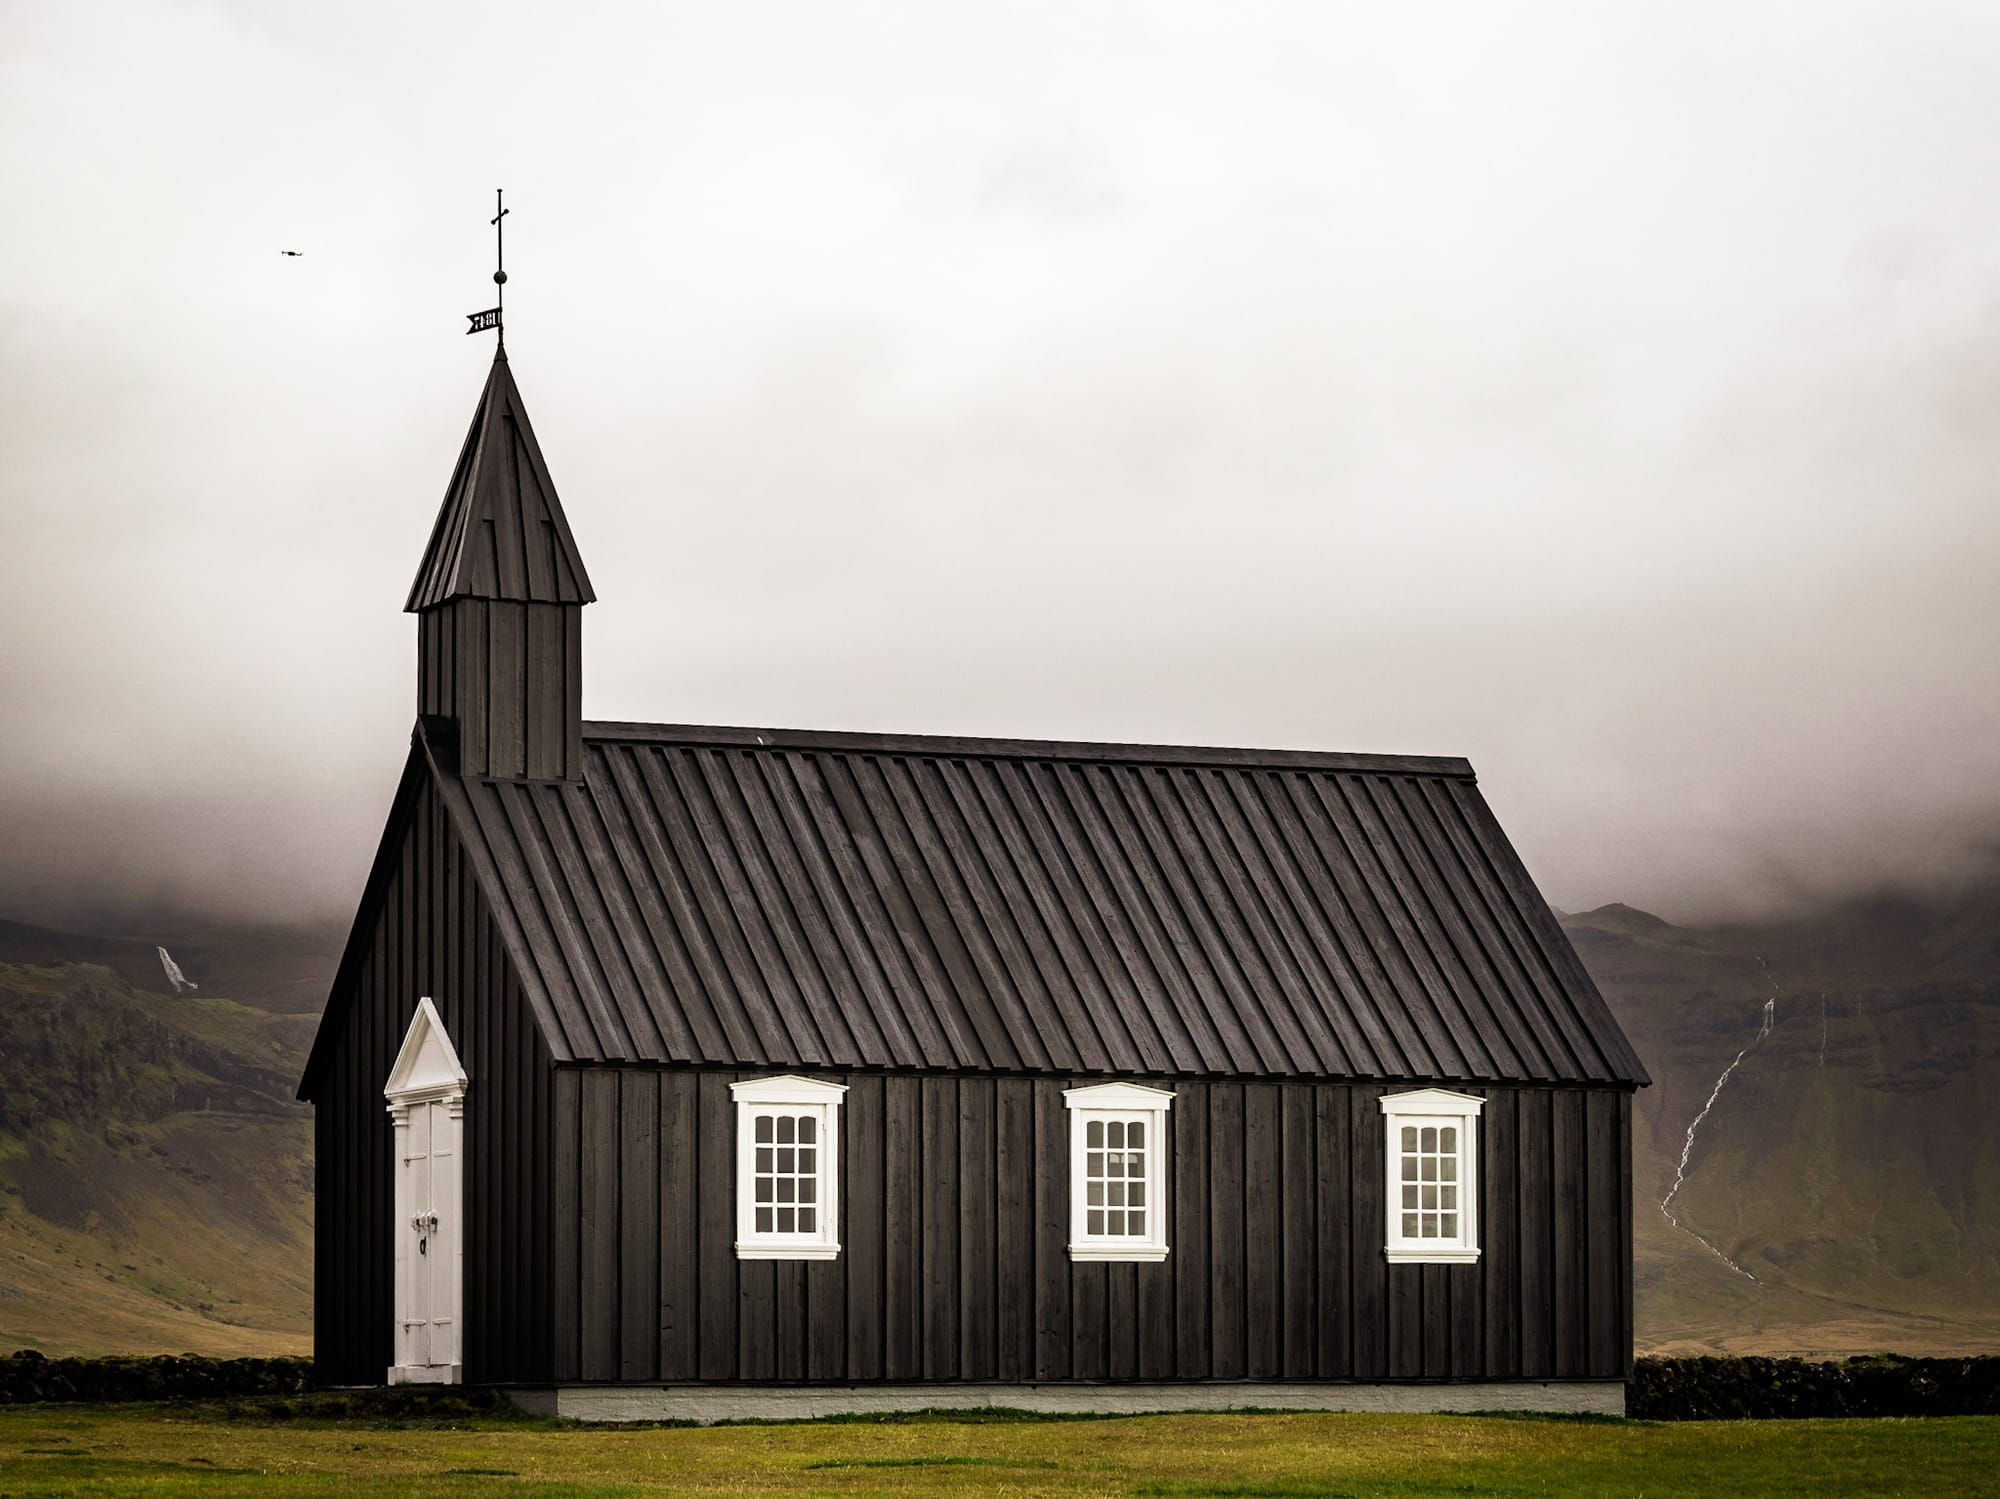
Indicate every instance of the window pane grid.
{"type": "Point", "coordinates": [1116, 1156]}
{"type": "Point", "coordinates": [1429, 1181]}
{"type": "Point", "coordinates": [785, 1172]}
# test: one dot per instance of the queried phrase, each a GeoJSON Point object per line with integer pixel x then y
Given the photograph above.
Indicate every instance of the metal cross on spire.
{"type": "Point", "coordinates": [490, 318]}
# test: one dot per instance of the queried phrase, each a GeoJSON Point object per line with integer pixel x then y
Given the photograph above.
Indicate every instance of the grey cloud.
{"type": "Point", "coordinates": [1606, 398]}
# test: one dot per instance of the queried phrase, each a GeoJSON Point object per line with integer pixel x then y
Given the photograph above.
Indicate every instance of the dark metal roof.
{"type": "Point", "coordinates": [501, 532]}
{"type": "Point", "coordinates": [769, 897]}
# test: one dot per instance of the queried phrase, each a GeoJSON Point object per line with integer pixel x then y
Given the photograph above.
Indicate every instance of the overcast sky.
{"type": "Point", "coordinates": [1610, 394]}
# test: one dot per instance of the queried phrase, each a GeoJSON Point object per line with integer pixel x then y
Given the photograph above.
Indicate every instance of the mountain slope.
{"type": "Point", "coordinates": [1846, 1177]}
{"type": "Point", "coordinates": [284, 969]}
{"type": "Point", "coordinates": [155, 1171]}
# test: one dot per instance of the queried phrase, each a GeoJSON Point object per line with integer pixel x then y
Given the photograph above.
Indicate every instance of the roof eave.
{"type": "Point", "coordinates": [352, 955]}
{"type": "Point", "coordinates": [431, 761]}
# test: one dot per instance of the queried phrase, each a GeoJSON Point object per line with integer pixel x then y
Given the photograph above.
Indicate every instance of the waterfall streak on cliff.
{"type": "Point", "coordinates": [174, 975]}
{"type": "Point", "coordinates": [1687, 1145]}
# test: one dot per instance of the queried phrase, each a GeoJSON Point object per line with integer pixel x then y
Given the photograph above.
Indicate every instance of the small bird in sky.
{"type": "Point", "coordinates": [291, 252]}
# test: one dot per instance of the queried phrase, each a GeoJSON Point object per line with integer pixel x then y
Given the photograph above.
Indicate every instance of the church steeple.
{"type": "Point", "coordinates": [499, 603]}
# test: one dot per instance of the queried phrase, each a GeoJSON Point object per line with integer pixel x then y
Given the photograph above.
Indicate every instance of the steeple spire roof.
{"type": "Point", "coordinates": [501, 532]}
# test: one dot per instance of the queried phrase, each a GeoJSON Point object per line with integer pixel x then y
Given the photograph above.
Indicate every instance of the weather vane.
{"type": "Point", "coordinates": [490, 318]}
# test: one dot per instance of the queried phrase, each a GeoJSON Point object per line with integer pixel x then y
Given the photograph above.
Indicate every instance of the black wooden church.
{"type": "Point", "coordinates": [697, 1070]}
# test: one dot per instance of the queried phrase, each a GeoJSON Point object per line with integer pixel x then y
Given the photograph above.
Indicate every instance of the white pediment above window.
{"type": "Point", "coordinates": [427, 1066]}
{"type": "Point", "coordinates": [1117, 1096]}
{"type": "Point", "coordinates": [787, 1089]}
{"type": "Point", "coordinates": [1432, 1101]}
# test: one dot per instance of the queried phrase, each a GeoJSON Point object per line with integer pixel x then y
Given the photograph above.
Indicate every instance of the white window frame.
{"type": "Point", "coordinates": [1123, 1103]}
{"type": "Point", "coordinates": [1433, 1107]}
{"type": "Point", "coordinates": [802, 1096]}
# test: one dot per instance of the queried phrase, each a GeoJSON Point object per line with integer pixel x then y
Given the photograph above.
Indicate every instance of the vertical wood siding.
{"type": "Point", "coordinates": [434, 937]}
{"type": "Point", "coordinates": [511, 674]}
{"type": "Point", "coordinates": [954, 1262]}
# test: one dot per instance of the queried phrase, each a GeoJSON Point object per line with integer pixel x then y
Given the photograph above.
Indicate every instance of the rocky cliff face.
{"type": "Point", "coordinates": [1841, 1192]}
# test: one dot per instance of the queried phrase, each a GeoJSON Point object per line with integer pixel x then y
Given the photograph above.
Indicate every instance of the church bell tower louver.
{"type": "Point", "coordinates": [499, 603]}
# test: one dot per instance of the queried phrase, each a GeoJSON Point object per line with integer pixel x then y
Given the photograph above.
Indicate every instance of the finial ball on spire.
{"type": "Point", "coordinates": [499, 278]}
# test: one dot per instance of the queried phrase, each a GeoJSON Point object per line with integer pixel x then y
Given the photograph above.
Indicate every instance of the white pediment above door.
{"type": "Point", "coordinates": [427, 1066]}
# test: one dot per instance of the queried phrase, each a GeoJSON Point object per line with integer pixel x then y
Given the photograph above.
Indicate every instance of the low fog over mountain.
{"type": "Point", "coordinates": [1608, 397]}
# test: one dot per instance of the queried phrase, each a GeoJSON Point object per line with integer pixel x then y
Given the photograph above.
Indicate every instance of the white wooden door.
{"type": "Point", "coordinates": [427, 1308]}
{"type": "Point", "coordinates": [426, 1095]}
{"type": "Point", "coordinates": [413, 1301]}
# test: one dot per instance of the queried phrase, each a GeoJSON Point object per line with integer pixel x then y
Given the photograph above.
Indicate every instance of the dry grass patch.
{"type": "Point", "coordinates": [169, 1452]}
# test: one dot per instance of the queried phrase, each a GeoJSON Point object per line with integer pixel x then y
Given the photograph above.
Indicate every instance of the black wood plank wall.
{"type": "Point", "coordinates": [434, 937]}
{"type": "Point", "coordinates": [511, 674]}
{"type": "Point", "coordinates": [954, 1234]}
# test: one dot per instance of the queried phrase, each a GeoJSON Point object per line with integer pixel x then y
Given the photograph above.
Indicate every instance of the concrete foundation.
{"type": "Point", "coordinates": [711, 1403]}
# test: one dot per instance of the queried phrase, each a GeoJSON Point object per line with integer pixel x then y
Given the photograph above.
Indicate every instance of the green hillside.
{"type": "Point", "coordinates": [284, 969]}
{"type": "Point", "coordinates": [155, 1172]}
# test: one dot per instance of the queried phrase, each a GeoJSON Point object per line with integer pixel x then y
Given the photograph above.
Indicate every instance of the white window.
{"type": "Point", "coordinates": [787, 1169]}
{"type": "Point", "coordinates": [1117, 1172]}
{"type": "Point", "coordinates": [1433, 1150]}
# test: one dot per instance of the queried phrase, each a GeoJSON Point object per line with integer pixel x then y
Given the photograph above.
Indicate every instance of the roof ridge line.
{"type": "Point", "coordinates": [979, 747]}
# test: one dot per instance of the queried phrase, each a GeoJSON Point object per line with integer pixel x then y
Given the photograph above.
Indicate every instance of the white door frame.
{"type": "Point", "coordinates": [426, 1102]}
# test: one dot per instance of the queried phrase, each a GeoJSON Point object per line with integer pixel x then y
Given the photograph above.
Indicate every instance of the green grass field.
{"type": "Point", "coordinates": [216, 1451]}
